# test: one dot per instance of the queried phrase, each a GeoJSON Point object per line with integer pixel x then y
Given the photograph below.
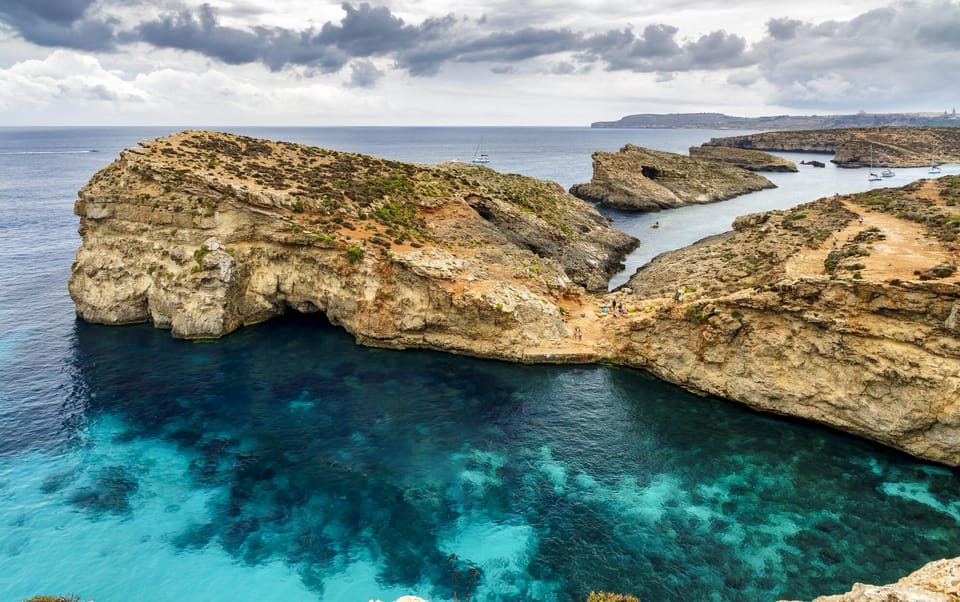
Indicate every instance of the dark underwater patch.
{"type": "Point", "coordinates": [110, 492]}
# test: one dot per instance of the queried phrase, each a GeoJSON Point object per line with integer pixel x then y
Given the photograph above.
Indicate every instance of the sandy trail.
{"type": "Point", "coordinates": [906, 249]}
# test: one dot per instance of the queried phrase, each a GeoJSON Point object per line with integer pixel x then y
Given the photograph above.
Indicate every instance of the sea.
{"type": "Point", "coordinates": [284, 462]}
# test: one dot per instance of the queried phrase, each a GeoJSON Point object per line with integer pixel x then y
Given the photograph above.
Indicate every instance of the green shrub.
{"type": "Point", "coordinates": [198, 256]}
{"type": "Point", "coordinates": [354, 254]}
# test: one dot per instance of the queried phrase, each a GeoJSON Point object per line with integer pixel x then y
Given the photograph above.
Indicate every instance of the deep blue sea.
{"type": "Point", "coordinates": [284, 462]}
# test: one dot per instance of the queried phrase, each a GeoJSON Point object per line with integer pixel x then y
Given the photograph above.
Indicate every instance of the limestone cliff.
{"type": "Point", "coordinates": [203, 232]}
{"type": "Point", "coordinates": [808, 312]}
{"type": "Point", "coordinates": [812, 313]}
{"type": "Point", "coordinates": [860, 147]}
{"type": "Point", "coordinates": [642, 179]}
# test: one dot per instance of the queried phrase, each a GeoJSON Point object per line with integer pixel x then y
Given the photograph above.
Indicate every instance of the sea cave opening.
{"type": "Point", "coordinates": [305, 314]}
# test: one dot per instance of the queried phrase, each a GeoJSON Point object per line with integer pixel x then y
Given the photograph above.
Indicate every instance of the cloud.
{"type": "Point", "coordinates": [364, 74]}
{"type": "Point", "coordinates": [58, 23]}
{"type": "Point", "coordinates": [882, 58]}
{"type": "Point", "coordinates": [656, 50]}
{"type": "Point", "coordinates": [367, 31]}
{"type": "Point", "coordinates": [783, 29]}
{"type": "Point", "coordinates": [64, 76]}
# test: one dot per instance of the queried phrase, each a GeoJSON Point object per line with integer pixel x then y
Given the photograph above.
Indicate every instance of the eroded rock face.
{"type": "Point", "coordinates": [860, 147]}
{"type": "Point", "coordinates": [642, 179]}
{"type": "Point", "coordinates": [203, 232]}
{"type": "Point", "coordinates": [764, 319]}
{"type": "Point", "coordinates": [752, 160]}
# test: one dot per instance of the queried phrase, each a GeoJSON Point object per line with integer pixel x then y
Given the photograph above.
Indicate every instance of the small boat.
{"type": "Point", "coordinates": [934, 168]}
{"type": "Point", "coordinates": [873, 177]}
{"type": "Point", "coordinates": [479, 156]}
{"type": "Point", "coordinates": [887, 172]}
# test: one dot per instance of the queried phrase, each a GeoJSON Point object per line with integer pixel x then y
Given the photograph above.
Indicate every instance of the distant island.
{"type": "Point", "coordinates": [719, 121]}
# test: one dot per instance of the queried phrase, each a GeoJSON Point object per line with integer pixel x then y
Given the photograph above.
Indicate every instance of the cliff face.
{"type": "Point", "coordinates": [752, 160]}
{"type": "Point", "coordinates": [642, 179]}
{"type": "Point", "coordinates": [202, 233]}
{"type": "Point", "coordinates": [860, 147]}
{"type": "Point", "coordinates": [807, 312]}
{"type": "Point", "coordinates": [812, 313]}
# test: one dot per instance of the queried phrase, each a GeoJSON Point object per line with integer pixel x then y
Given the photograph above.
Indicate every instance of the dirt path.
{"type": "Point", "coordinates": [905, 250]}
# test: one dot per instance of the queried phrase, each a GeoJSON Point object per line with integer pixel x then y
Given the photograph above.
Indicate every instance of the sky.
{"type": "Point", "coordinates": [462, 63]}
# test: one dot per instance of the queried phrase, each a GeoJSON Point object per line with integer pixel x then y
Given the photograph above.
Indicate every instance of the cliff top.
{"type": "Point", "coordinates": [330, 197]}
{"type": "Point", "coordinates": [643, 179]}
{"type": "Point", "coordinates": [884, 235]}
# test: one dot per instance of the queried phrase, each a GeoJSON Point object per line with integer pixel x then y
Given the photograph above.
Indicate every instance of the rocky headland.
{"type": "Point", "coordinates": [642, 179]}
{"type": "Point", "coordinates": [860, 147]}
{"type": "Point", "coordinates": [204, 232]}
{"type": "Point", "coordinates": [809, 312]}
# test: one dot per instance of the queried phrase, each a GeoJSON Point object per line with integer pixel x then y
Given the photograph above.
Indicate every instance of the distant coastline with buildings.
{"type": "Point", "coordinates": [719, 121]}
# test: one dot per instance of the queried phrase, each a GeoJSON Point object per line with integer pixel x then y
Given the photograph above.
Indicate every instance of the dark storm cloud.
{"type": "Point", "coordinates": [364, 32]}
{"type": "Point", "coordinates": [367, 31]}
{"type": "Point", "coordinates": [58, 23]}
{"type": "Point", "coordinates": [199, 31]}
{"type": "Point", "coordinates": [656, 50]}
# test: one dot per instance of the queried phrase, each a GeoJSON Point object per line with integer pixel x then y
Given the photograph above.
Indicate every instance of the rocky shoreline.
{"type": "Point", "coordinates": [808, 312]}
{"type": "Point", "coordinates": [859, 147]}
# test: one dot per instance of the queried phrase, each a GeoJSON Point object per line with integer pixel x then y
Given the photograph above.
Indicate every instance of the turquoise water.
{"type": "Point", "coordinates": [286, 463]}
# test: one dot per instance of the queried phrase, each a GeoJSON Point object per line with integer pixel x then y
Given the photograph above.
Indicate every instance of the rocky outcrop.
{"type": "Point", "coordinates": [807, 312]}
{"type": "Point", "coordinates": [938, 581]}
{"type": "Point", "coordinates": [768, 319]}
{"type": "Point", "coordinates": [642, 179]}
{"type": "Point", "coordinates": [752, 160]}
{"type": "Point", "coordinates": [860, 147]}
{"type": "Point", "coordinates": [203, 232]}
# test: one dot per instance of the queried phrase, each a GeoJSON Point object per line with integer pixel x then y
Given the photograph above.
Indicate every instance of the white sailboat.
{"type": "Point", "coordinates": [479, 156]}
{"type": "Point", "coordinates": [873, 177]}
